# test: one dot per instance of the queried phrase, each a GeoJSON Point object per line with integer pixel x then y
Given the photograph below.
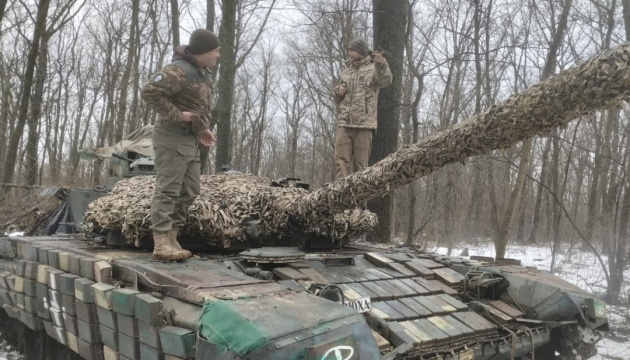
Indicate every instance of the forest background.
{"type": "Point", "coordinates": [71, 73]}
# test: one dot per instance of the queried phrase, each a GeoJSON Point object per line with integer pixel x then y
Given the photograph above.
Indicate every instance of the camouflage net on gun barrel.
{"type": "Point", "coordinates": [602, 82]}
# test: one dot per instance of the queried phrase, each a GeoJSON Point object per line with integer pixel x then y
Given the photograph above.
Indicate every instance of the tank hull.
{"type": "Point", "coordinates": [359, 302]}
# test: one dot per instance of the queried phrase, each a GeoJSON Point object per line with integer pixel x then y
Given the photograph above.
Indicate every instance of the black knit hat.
{"type": "Point", "coordinates": [360, 45]}
{"type": "Point", "coordinates": [202, 41]}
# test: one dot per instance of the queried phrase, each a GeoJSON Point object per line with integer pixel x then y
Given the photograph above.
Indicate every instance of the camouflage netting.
{"type": "Point", "coordinates": [602, 82]}
{"type": "Point", "coordinates": [218, 214]}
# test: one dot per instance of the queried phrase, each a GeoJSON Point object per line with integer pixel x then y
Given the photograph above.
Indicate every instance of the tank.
{"type": "Point", "coordinates": [362, 301]}
{"type": "Point", "coordinates": [279, 273]}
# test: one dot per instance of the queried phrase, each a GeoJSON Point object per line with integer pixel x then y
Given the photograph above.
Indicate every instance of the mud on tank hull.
{"type": "Point", "coordinates": [104, 303]}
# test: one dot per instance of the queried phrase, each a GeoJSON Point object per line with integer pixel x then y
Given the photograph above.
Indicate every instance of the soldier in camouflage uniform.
{"type": "Point", "coordinates": [181, 94]}
{"type": "Point", "coordinates": [356, 95]}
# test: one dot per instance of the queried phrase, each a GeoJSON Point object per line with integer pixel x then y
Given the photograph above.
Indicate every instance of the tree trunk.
{"type": "Point", "coordinates": [514, 206]}
{"type": "Point", "coordinates": [27, 81]}
{"type": "Point", "coordinates": [555, 206]}
{"type": "Point", "coordinates": [412, 121]}
{"type": "Point", "coordinates": [539, 194]}
{"type": "Point", "coordinates": [476, 199]}
{"type": "Point", "coordinates": [5, 116]}
{"type": "Point", "coordinates": [411, 226]}
{"type": "Point", "coordinates": [227, 74]}
{"type": "Point", "coordinates": [507, 223]}
{"type": "Point", "coordinates": [60, 125]}
{"type": "Point", "coordinates": [122, 118]}
{"type": "Point", "coordinates": [560, 192]}
{"type": "Point", "coordinates": [3, 6]}
{"type": "Point", "coordinates": [613, 290]}
{"type": "Point", "coordinates": [623, 239]}
{"type": "Point", "coordinates": [204, 151]}
{"type": "Point", "coordinates": [389, 35]}
{"type": "Point", "coordinates": [175, 22]}
{"type": "Point", "coordinates": [34, 115]}
{"type": "Point", "coordinates": [210, 14]}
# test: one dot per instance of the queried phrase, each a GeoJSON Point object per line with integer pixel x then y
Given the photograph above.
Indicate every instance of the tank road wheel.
{"type": "Point", "coordinates": [570, 342]}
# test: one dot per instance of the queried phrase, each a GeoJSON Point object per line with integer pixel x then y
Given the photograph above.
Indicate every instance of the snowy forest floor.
{"type": "Point", "coordinates": [580, 268]}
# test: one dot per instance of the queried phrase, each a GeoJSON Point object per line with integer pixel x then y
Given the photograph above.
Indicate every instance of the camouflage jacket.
{"type": "Point", "coordinates": [363, 79]}
{"type": "Point", "coordinates": [181, 86]}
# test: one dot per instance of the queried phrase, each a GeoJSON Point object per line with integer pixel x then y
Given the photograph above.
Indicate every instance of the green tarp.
{"type": "Point", "coordinates": [223, 326]}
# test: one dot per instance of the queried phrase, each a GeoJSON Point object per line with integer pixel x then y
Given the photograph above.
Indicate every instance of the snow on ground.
{"type": "Point", "coordinates": [16, 233]}
{"type": "Point", "coordinates": [8, 353]}
{"type": "Point", "coordinates": [581, 268]}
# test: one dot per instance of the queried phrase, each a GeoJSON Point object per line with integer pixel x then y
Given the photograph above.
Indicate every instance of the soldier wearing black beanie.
{"type": "Point", "coordinates": [181, 94]}
{"type": "Point", "coordinates": [202, 41]}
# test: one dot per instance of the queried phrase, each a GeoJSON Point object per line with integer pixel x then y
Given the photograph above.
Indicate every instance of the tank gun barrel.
{"type": "Point", "coordinates": [601, 82]}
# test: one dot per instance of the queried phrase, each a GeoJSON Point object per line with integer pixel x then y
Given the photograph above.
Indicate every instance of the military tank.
{"type": "Point", "coordinates": [321, 295]}
{"type": "Point", "coordinates": [360, 302]}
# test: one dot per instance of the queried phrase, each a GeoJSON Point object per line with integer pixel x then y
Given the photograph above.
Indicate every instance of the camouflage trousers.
{"type": "Point", "coordinates": [352, 146]}
{"type": "Point", "coordinates": [178, 175]}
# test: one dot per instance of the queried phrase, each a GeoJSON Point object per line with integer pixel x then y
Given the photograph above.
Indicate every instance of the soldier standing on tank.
{"type": "Point", "coordinates": [181, 94]}
{"type": "Point", "coordinates": [356, 95]}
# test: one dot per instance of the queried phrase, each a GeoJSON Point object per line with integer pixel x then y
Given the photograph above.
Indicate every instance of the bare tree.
{"type": "Point", "coordinates": [62, 14]}
{"type": "Point", "coordinates": [175, 22]}
{"type": "Point", "coordinates": [508, 215]}
{"type": "Point", "coordinates": [260, 122]}
{"type": "Point", "coordinates": [25, 97]}
{"type": "Point", "coordinates": [204, 152]}
{"type": "Point", "coordinates": [225, 88]}
{"type": "Point", "coordinates": [389, 19]}
{"type": "Point", "coordinates": [618, 250]}
{"type": "Point", "coordinates": [294, 107]}
{"type": "Point", "coordinates": [210, 14]}
{"type": "Point", "coordinates": [7, 109]}
{"type": "Point", "coordinates": [416, 75]}
{"type": "Point", "coordinates": [231, 38]}
{"type": "Point", "coordinates": [122, 116]}
{"type": "Point", "coordinates": [3, 6]}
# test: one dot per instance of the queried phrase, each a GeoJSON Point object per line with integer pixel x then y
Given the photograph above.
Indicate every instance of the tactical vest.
{"type": "Point", "coordinates": [193, 75]}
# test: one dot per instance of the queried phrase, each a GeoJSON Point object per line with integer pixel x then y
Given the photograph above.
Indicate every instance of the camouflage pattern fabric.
{"type": "Point", "coordinates": [179, 86]}
{"type": "Point", "coordinates": [363, 79]}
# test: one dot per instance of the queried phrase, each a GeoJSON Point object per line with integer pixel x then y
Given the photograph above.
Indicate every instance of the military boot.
{"type": "Point", "coordinates": [172, 235]}
{"type": "Point", "coordinates": [164, 248]}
